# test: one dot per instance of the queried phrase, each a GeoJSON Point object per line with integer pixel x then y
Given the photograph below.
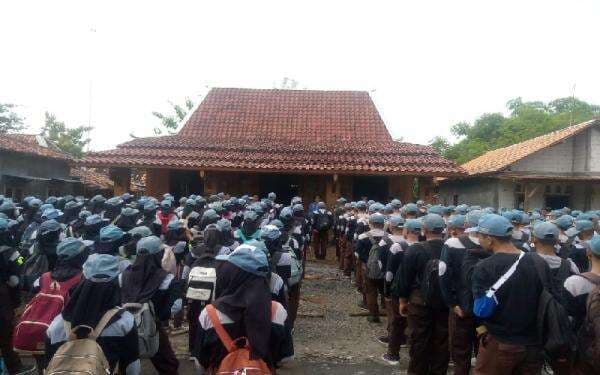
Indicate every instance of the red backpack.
{"type": "Point", "coordinates": [237, 361]}
{"type": "Point", "coordinates": [30, 332]}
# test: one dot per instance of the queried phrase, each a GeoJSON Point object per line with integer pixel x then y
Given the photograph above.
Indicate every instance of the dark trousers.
{"type": "Point", "coordinates": [11, 359]}
{"type": "Point", "coordinates": [463, 340]}
{"type": "Point", "coordinates": [374, 290]}
{"type": "Point", "coordinates": [193, 313]}
{"type": "Point", "coordinates": [164, 360]}
{"type": "Point", "coordinates": [428, 330]}
{"type": "Point", "coordinates": [396, 326]}
{"type": "Point", "coordinates": [320, 244]}
{"type": "Point", "coordinates": [348, 257]}
{"type": "Point", "coordinates": [294, 302]}
{"type": "Point", "coordinates": [341, 243]}
{"type": "Point", "coordinates": [499, 358]}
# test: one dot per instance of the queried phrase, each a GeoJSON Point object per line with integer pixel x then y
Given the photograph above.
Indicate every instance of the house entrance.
{"type": "Point", "coordinates": [556, 202]}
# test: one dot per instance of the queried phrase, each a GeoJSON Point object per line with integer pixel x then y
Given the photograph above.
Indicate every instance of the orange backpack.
{"type": "Point", "coordinates": [238, 361]}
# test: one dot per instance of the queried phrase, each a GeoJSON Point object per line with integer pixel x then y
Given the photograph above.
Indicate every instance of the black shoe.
{"type": "Point", "coordinates": [363, 305]}
{"type": "Point", "coordinates": [383, 340]}
{"type": "Point", "coordinates": [392, 360]}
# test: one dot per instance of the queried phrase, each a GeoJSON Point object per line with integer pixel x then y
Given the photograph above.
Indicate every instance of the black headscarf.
{"type": "Point", "coordinates": [90, 301]}
{"type": "Point", "coordinates": [126, 222]}
{"type": "Point", "coordinates": [67, 268]}
{"type": "Point", "coordinates": [142, 279]}
{"type": "Point", "coordinates": [246, 299]}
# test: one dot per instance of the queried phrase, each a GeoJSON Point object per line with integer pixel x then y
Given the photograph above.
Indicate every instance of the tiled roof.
{"type": "Point", "coordinates": [497, 160]}
{"type": "Point", "coordinates": [93, 178]}
{"type": "Point", "coordinates": [281, 130]}
{"type": "Point", "coordinates": [31, 144]}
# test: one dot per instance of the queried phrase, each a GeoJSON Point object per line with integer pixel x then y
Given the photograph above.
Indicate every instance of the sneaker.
{"type": "Point", "coordinates": [363, 305]}
{"type": "Point", "coordinates": [373, 319]}
{"type": "Point", "coordinates": [392, 360]}
{"type": "Point", "coordinates": [384, 340]}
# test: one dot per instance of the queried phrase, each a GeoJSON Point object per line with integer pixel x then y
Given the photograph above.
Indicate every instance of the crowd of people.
{"type": "Point", "coordinates": [107, 280]}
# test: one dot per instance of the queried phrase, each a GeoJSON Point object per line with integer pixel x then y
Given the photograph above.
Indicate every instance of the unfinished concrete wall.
{"type": "Point", "coordinates": [594, 163]}
{"type": "Point", "coordinates": [557, 159]}
{"type": "Point", "coordinates": [477, 191]}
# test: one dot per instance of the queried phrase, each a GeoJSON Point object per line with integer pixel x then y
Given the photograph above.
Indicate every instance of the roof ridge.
{"type": "Point", "coordinates": [289, 90]}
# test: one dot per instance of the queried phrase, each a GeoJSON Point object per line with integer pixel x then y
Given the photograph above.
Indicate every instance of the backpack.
{"type": "Point", "coordinates": [553, 324]}
{"type": "Point", "coordinates": [201, 284]}
{"type": "Point", "coordinates": [323, 221]}
{"type": "Point", "coordinates": [587, 341]}
{"type": "Point", "coordinates": [237, 361]}
{"type": "Point", "coordinates": [295, 264]}
{"type": "Point", "coordinates": [33, 269]}
{"type": "Point", "coordinates": [81, 356]}
{"type": "Point", "coordinates": [145, 320]}
{"type": "Point", "coordinates": [431, 293]}
{"type": "Point", "coordinates": [374, 270]}
{"type": "Point", "coordinates": [29, 334]}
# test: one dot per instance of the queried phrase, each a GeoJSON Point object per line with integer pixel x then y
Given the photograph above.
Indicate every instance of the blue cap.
{"type": "Point", "coordinates": [413, 225]}
{"type": "Point", "coordinates": [114, 201]}
{"type": "Point", "coordinates": [583, 225]}
{"type": "Point", "coordinates": [437, 209]}
{"type": "Point", "coordinates": [286, 212]}
{"type": "Point", "coordinates": [564, 222]}
{"type": "Point", "coordinates": [250, 215]}
{"type": "Point", "coordinates": [224, 225]}
{"type": "Point", "coordinates": [494, 225]}
{"type": "Point", "coordinates": [93, 220]}
{"type": "Point", "coordinates": [546, 231]}
{"type": "Point", "coordinates": [175, 224]}
{"type": "Point", "coordinates": [457, 221]}
{"type": "Point", "coordinates": [141, 231]}
{"type": "Point", "coordinates": [462, 209]}
{"type": "Point", "coordinates": [410, 208]}
{"type": "Point", "coordinates": [49, 226]}
{"type": "Point", "coordinates": [595, 245]}
{"type": "Point", "coordinates": [277, 223]}
{"type": "Point", "coordinates": [51, 213]}
{"type": "Point", "coordinates": [149, 245]}
{"type": "Point", "coordinates": [377, 218]}
{"type": "Point", "coordinates": [3, 224]}
{"type": "Point", "coordinates": [70, 247]}
{"type": "Point", "coordinates": [361, 205]}
{"type": "Point", "coordinates": [272, 196]}
{"type": "Point", "coordinates": [128, 211]}
{"type": "Point", "coordinates": [101, 267]}
{"type": "Point", "coordinates": [433, 222]}
{"type": "Point", "coordinates": [35, 203]}
{"type": "Point", "coordinates": [270, 232]}
{"type": "Point", "coordinates": [210, 214]}
{"type": "Point", "coordinates": [472, 218]}
{"type": "Point", "coordinates": [150, 206]}
{"type": "Point", "coordinates": [166, 203]}
{"type": "Point", "coordinates": [396, 221]}
{"type": "Point", "coordinates": [250, 257]}
{"type": "Point", "coordinates": [110, 233]}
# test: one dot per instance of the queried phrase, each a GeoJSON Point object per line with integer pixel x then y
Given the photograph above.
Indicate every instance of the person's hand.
{"type": "Point", "coordinates": [458, 311]}
{"type": "Point", "coordinates": [403, 308]}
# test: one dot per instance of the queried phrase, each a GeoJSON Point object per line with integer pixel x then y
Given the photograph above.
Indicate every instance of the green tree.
{"type": "Point", "coordinates": [69, 140]}
{"type": "Point", "coordinates": [10, 121]}
{"type": "Point", "coordinates": [525, 121]}
{"type": "Point", "coordinates": [440, 144]}
{"type": "Point", "coordinates": [170, 122]}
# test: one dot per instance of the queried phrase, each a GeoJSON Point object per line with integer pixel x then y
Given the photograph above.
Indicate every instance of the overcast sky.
{"type": "Point", "coordinates": [427, 64]}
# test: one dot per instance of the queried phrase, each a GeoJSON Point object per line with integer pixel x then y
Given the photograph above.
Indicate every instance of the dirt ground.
{"type": "Point", "coordinates": [327, 340]}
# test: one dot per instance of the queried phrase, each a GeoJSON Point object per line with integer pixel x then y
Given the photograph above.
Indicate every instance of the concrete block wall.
{"type": "Point", "coordinates": [558, 159]}
{"type": "Point", "coordinates": [594, 149]}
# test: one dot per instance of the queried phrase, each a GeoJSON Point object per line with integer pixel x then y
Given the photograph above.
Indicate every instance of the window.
{"type": "Point", "coordinates": [568, 189]}
{"type": "Point", "coordinates": [13, 192]}
{"type": "Point", "coordinates": [558, 189]}
{"type": "Point", "coordinates": [548, 189]}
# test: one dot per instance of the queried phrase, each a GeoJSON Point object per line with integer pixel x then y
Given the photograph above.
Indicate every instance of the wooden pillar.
{"type": "Point", "coordinates": [158, 182]}
{"type": "Point", "coordinates": [401, 187]}
{"type": "Point", "coordinates": [122, 180]}
{"type": "Point", "coordinates": [426, 189]}
{"type": "Point", "coordinates": [332, 192]}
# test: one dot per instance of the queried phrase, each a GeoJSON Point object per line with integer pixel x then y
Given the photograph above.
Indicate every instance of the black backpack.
{"type": "Point", "coordinates": [431, 293]}
{"type": "Point", "coordinates": [553, 324]}
{"type": "Point", "coordinates": [323, 221]}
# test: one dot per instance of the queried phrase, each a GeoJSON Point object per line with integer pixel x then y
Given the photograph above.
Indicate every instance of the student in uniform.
{"type": "Point", "coordinates": [244, 308]}
{"type": "Point", "coordinates": [393, 248]}
{"type": "Point", "coordinates": [322, 223]}
{"type": "Point", "coordinates": [421, 302]}
{"type": "Point", "coordinates": [146, 281]}
{"type": "Point", "coordinates": [456, 290]}
{"type": "Point", "coordinates": [91, 299]}
{"type": "Point", "coordinates": [508, 342]}
{"type": "Point", "coordinates": [583, 304]}
{"type": "Point", "coordinates": [584, 230]}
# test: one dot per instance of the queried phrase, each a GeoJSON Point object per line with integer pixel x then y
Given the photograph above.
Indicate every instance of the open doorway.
{"type": "Point", "coordinates": [372, 187]}
{"type": "Point", "coordinates": [185, 183]}
{"type": "Point", "coordinates": [556, 202]}
{"type": "Point", "coordinates": [284, 185]}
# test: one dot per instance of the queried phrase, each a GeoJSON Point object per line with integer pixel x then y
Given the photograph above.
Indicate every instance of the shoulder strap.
{"type": "Point", "coordinates": [541, 267]}
{"type": "Point", "coordinates": [221, 332]}
{"type": "Point", "coordinates": [45, 281]}
{"type": "Point", "coordinates": [103, 323]}
{"type": "Point", "coordinates": [591, 277]}
{"type": "Point", "coordinates": [273, 309]}
{"type": "Point", "coordinates": [508, 273]}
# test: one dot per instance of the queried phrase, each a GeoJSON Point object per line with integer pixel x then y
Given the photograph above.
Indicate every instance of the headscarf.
{"type": "Point", "coordinates": [142, 279]}
{"type": "Point", "coordinates": [245, 298]}
{"type": "Point", "coordinates": [90, 300]}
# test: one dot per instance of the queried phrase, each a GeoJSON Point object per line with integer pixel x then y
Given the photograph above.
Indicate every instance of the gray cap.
{"type": "Point", "coordinates": [210, 214]}
{"type": "Point", "coordinates": [495, 225]}
{"type": "Point", "coordinates": [457, 221]}
{"type": "Point", "coordinates": [128, 211]}
{"type": "Point", "coordinates": [110, 233]}
{"type": "Point", "coordinates": [433, 222]}
{"type": "Point", "coordinates": [101, 267]}
{"type": "Point", "coordinates": [141, 231]}
{"type": "Point", "coordinates": [175, 224]}
{"type": "Point", "coordinates": [546, 231]}
{"type": "Point", "coordinates": [70, 247]}
{"type": "Point", "coordinates": [224, 225]}
{"type": "Point", "coordinates": [93, 219]}
{"type": "Point", "coordinates": [396, 221]}
{"type": "Point", "coordinates": [595, 245]}
{"type": "Point", "coordinates": [413, 225]}
{"type": "Point", "coordinates": [564, 222]}
{"type": "Point", "coordinates": [377, 218]}
{"type": "Point", "coordinates": [149, 245]}
{"type": "Point", "coordinates": [49, 226]}
{"type": "Point", "coordinates": [250, 257]}
{"type": "Point", "coordinates": [270, 232]}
